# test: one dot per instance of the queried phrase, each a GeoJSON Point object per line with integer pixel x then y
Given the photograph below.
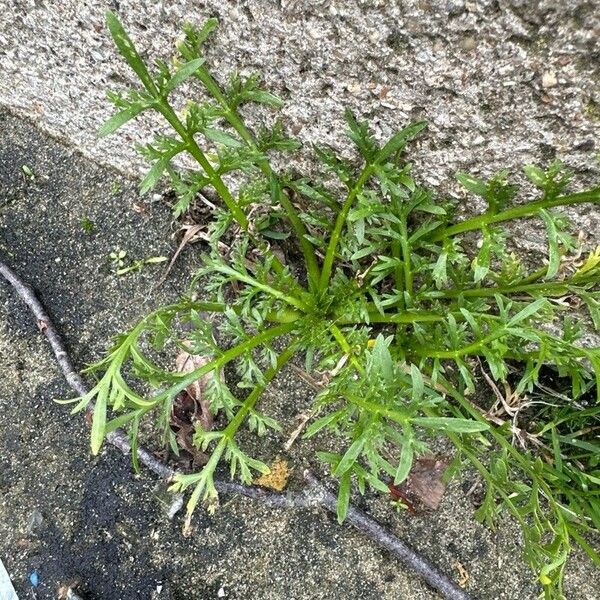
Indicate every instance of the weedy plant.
{"type": "Point", "coordinates": [123, 264]}
{"type": "Point", "coordinates": [393, 301]}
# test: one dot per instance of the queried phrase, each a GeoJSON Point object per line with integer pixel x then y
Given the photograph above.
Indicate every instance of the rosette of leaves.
{"type": "Point", "coordinates": [395, 301]}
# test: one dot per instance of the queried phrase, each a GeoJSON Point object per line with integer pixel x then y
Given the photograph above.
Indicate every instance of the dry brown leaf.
{"type": "Point", "coordinates": [191, 407]}
{"type": "Point", "coordinates": [185, 440]}
{"type": "Point", "coordinates": [424, 483]}
{"type": "Point", "coordinates": [186, 363]}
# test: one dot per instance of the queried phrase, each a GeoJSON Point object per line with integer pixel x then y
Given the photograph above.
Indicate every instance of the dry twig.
{"type": "Point", "coordinates": [315, 494]}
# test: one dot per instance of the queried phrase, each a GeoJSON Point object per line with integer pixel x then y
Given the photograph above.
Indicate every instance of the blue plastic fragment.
{"type": "Point", "coordinates": [34, 578]}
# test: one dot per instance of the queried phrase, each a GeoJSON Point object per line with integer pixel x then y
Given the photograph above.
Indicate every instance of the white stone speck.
{"type": "Point", "coordinates": [549, 79]}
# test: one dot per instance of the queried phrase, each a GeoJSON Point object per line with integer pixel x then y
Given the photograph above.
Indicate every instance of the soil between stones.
{"type": "Point", "coordinates": [104, 526]}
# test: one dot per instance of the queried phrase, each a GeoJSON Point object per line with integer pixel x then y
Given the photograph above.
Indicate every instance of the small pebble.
{"type": "Point", "coordinates": [354, 88]}
{"type": "Point", "coordinates": [549, 79]}
{"type": "Point", "coordinates": [35, 521]}
{"type": "Point", "coordinates": [585, 146]}
{"type": "Point", "coordinates": [469, 43]}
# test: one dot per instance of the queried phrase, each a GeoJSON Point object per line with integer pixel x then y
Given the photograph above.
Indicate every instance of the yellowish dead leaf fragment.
{"type": "Point", "coordinates": [463, 574]}
{"type": "Point", "coordinates": [277, 478]}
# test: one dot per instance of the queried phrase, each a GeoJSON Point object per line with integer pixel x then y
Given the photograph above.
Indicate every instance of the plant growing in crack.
{"type": "Point", "coordinates": [388, 301]}
{"type": "Point", "coordinates": [123, 264]}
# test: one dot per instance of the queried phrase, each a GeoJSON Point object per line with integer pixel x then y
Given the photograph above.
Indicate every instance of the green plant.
{"type": "Point", "coordinates": [395, 304]}
{"type": "Point", "coordinates": [123, 265]}
{"type": "Point", "coordinates": [115, 188]}
{"type": "Point", "coordinates": [28, 172]}
{"type": "Point", "coordinates": [117, 258]}
{"type": "Point", "coordinates": [87, 225]}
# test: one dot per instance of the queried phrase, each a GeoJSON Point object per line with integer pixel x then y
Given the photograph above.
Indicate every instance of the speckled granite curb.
{"type": "Point", "coordinates": [502, 82]}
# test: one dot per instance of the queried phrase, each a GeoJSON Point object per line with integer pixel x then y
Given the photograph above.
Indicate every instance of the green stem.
{"type": "Point", "coordinates": [283, 315]}
{"type": "Point", "coordinates": [235, 423]}
{"type": "Point", "coordinates": [470, 349]}
{"type": "Point", "coordinates": [398, 271]}
{"type": "Point", "coordinates": [308, 250]}
{"type": "Point", "coordinates": [548, 288]}
{"type": "Point", "coordinates": [399, 317]}
{"type": "Point", "coordinates": [406, 257]}
{"type": "Point", "coordinates": [215, 179]}
{"type": "Point", "coordinates": [233, 118]}
{"type": "Point", "coordinates": [534, 276]}
{"type": "Point", "coordinates": [524, 210]}
{"type": "Point", "coordinates": [409, 316]}
{"type": "Point", "coordinates": [339, 224]}
{"type": "Point", "coordinates": [395, 415]}
{"type": "Point", "coordinates": [291, 300]}
{"type": "Point", "coordinates": [250, 401]}
{"type": "Point", "coordinates": [133, 335]}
